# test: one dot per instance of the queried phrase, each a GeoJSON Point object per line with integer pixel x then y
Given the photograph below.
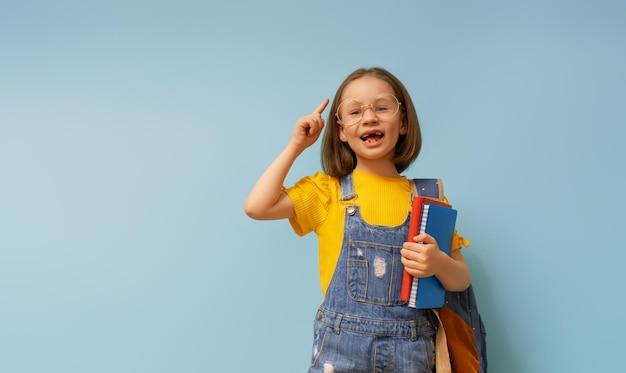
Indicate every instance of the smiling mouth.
{"type": "Point", "coordinates": [372, 137]}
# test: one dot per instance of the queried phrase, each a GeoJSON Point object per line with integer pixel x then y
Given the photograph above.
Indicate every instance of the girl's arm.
{"type": "Point", "coordinates": [424, 259]}
{"type": "Point", "coordinates": [266, 200]}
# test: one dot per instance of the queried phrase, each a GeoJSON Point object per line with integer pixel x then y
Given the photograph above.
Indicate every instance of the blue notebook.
{"type": "Point", "coordinates": [438, 222]}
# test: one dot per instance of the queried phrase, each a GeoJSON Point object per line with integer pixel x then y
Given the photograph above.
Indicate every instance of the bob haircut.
{"type": "Point", "coordinates": [337, 157]}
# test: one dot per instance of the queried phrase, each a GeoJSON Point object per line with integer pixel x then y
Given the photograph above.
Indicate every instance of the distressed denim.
{"type": "Point", "coordinates": [362, 326]}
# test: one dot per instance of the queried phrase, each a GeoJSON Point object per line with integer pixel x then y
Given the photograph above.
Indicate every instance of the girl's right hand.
{"type": "Point", "coordinates": [308, 128]}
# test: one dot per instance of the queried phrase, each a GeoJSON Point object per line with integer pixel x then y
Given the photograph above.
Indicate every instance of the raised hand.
{"type": "Point", "coordinates": [266, 200]}
{"type": "Point", "coordinates": [309, 127]}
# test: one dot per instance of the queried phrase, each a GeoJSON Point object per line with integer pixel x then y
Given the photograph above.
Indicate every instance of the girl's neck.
{"type": "Point", "coordinates": [386, 169]}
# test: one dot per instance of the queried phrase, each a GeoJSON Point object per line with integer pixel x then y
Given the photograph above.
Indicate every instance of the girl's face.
{"type": "Point", "coordinates": [373, 139]}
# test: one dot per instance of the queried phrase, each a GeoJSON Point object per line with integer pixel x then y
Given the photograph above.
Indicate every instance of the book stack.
{"type": "Point", "coordinates": [438, 219]}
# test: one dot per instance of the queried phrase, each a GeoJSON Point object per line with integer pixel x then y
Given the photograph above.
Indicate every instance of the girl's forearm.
{"type": "Point", "coordinates": [266, 201]}
{"type": "Point", "coordinates": [455, 276]}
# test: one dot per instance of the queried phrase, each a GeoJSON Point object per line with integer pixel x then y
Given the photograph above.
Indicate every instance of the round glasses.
{"type": "Point", "coordinates": [350, 111]}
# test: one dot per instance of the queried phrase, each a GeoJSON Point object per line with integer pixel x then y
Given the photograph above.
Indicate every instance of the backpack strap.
{"type": "Point", "coordinates": [432, 188]}
{"type": "Point", "coordinates": [442, 354]}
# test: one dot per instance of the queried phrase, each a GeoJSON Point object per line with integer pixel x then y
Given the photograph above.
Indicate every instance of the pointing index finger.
{"type": "Point", "coordinates": [320, 109]}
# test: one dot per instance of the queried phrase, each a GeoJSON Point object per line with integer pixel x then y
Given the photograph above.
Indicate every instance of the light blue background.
{"type": "Point", "coordinates": [132, 131]}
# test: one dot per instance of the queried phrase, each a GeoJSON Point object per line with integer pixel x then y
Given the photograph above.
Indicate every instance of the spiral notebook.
{"type": "Point", "coordinates": [438, 220]}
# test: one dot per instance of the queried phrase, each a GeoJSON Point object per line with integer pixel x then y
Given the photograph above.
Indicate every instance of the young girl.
{"type": "Point", "coordinates": [359, 208]}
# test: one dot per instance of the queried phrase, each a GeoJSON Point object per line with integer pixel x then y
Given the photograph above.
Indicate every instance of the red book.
{"type": "Point", "coordinates": [416, 215]}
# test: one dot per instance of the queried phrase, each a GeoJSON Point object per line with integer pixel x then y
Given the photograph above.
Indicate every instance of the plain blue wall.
{"type": "Point", "coordinates": [132, 131]}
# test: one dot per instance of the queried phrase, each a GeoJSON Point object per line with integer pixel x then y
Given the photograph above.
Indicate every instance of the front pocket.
{"type": "Point", "coordinates": [374, 273]}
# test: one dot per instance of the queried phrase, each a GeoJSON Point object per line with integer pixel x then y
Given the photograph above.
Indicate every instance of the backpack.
{"type": "Point", "coordinates": [461, 328]}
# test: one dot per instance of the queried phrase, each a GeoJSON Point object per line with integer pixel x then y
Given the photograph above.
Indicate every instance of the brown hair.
{"type": "Point", "coordinates": [337, 157]}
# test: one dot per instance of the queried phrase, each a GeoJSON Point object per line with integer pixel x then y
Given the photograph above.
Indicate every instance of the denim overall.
{"type": "Point", "coordinates": [362, 325]}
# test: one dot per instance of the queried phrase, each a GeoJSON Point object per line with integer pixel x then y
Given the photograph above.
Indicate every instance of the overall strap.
{"type": "Point", "coordinates": [347, 187]}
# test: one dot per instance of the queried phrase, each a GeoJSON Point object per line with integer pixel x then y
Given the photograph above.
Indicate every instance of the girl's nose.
{"type": "Point", "coordinates": [369, 115]}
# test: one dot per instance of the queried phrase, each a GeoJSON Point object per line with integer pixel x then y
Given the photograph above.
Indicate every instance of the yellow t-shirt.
{"type": "Point", "coordinates": [383, 201]}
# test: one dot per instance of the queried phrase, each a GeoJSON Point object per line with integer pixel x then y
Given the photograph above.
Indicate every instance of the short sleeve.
{"type": "Point", "coordinates": [310, 199]}
{"type": "Point", "coordinates": [458, 241]}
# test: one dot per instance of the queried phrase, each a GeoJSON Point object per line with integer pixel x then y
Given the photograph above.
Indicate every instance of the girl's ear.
{"type": "Point", "coordinates": [342, 135]}
{"type": "Point", "coordinates": [403, 127]}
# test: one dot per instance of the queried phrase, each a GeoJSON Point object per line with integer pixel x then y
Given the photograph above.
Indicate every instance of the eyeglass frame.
{"type": "Point", "coordinates": [363, 108]}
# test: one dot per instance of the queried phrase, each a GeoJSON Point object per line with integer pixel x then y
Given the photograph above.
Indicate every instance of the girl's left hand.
{"type": "Point", "coordinates": [422, 258]}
